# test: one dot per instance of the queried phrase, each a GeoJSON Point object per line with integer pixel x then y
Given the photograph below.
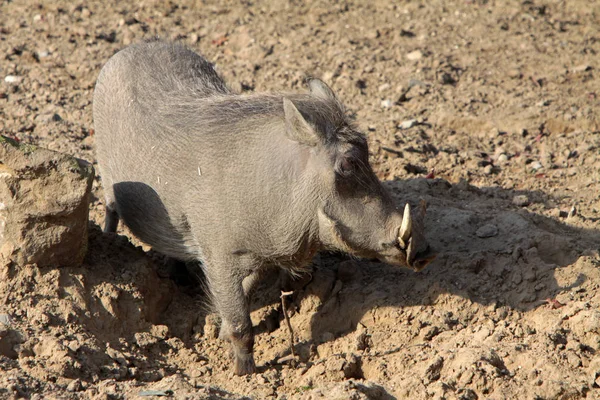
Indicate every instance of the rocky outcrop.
{"type": "Point", "coordinates": [44, 203]}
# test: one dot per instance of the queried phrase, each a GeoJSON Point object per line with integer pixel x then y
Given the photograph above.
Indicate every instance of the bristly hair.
{"type": "Point", "coordinates": [191, 84]}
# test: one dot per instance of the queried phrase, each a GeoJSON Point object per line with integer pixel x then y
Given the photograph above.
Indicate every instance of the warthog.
{"type": "Point", "coordinates": [238, 182]}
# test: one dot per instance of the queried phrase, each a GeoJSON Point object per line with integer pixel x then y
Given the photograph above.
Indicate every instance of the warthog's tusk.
{"type": "Point", "coordinates": [406, 227]}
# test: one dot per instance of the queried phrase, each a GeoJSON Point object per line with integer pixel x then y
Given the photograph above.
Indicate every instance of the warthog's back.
{"type": "Point", "coordinates": [138, 96]}
{"type": "Point", "coordinates": [175, 148]}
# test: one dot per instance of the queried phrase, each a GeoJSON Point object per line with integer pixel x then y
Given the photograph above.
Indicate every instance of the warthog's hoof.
{"type": "Point", "coordinates": [244, 364]}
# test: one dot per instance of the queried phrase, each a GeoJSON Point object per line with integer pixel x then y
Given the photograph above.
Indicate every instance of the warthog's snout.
{"type": "Point", "coordinates": [410, 247]}
{"type": "Point", "coordinates": [410, 239]}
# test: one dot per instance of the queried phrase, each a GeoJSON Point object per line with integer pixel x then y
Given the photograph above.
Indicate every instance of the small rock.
{"type": "Point", "coordinates": [536, 165]}
{"type": "Point", "coordinates": [515, 73]}
{"type": "Point", "coordinates": [486, 231]}
{"type": "Point", "coordinates": [446, 79]}
{"type": "Point", "coordinates": [488, 169]}
{"type": "Point", "coordinates": [502, 158]}
{"type": "Point", "coordinates": [5, 320]}
{"type": "Point", "coordinates": [352, 368]}
{"type": "Point", "coordinates": [582, 68]}
{"type": "Point", "coordinates": [386, 103]}
{"type": "Point", "coordinates": [431, 331]}
{"type": "Point", "coordinates": [572, 212]}
{"type": "Point", "coordinates": [51, 117]}
{"type": "Point", "coordinates": [543, 103]}
{"type": "Point", "coordinates": [363, 340]}
{"type": "Point", "coordinates": [75, 386]}
{"type": "Point", "coordinates": [521, 200]}
{"type": "Point", "coordinates": [573, 359]}
{"type": "Point", "coordinates": [432, 373]}
{"type": "Point", "coordinates": [415, 55]}
{"type": "Point", "coordinates": [85, 13]}
{"type": "Point", "coordinates": [408, 124]}
{"type": "Point", "coordinates": [467, 394]}
{"type": "Point", "coordinates": [12, 79]}
{"type": "Point", "coordinates": [383, 87]}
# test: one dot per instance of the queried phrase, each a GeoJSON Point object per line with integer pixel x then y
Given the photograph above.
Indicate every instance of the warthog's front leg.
{"type": "Point", "coordinates": [225, 280]}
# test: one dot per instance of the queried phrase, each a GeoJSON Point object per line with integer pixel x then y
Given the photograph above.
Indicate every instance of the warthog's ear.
{"type": "Point", "coordinates": [296, 126]}
{"type": "Point", "coordinates": [319, 89]}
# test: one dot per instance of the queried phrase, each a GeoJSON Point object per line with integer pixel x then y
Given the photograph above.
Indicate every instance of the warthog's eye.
{"type": "Point", "coordinates": [346, 166]}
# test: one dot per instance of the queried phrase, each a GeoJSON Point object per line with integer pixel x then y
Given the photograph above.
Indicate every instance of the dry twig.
{"type": "Point", "coordinates": [287, 320]}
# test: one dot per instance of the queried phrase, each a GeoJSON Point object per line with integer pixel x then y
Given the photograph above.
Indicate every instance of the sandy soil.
{"type": "Point", "coordinates": [503, 97]}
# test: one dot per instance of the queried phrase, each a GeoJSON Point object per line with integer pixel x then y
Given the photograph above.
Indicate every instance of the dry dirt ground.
{"type": "Point", "coordinates": [500, 98]}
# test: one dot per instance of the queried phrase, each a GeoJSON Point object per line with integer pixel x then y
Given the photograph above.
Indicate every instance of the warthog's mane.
{"type": "Point", "coordinates": [193, 94]}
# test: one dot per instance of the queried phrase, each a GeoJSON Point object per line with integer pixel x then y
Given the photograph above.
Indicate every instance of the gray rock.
{"type": "Point", "coordinates": [415, 55]}
{"type": "Point", "coordinates": [5, 320]}
{"type": "Point", "coordinates": [486, 231]}
{"type": "Point", "coordinates": [44, 205]}
{"type": "Point", "coordinates": [50, 117]}
{"type": "Point", "coordinates": [407, 124]}
{"type": "Point", "coordinates": [521, 200]}
{"type": "Point", "coordinates": [12, 79]}
{"type": "Point", "coordinates": [536, 165]}
{"type": "Point", "coordinates": [386, 103]}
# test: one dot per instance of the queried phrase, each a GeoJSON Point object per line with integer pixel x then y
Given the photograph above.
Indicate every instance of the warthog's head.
{"type": "Point", "coordinates": [356, 213]}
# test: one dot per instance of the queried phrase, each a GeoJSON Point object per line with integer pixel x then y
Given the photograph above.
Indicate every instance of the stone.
{"type": "Point", "coordinates": [415, 55]}
{"type": "Point", "coordinates": [12, 79]}
{"type": "Point", "coordinates": [486, 231]}
{"type": "Point", "coordinates": [536, 165]}
{"type": "Point", "coordinates": [521, 200]}
{"type": "Point", "coordinates": [386, 103]}
{"type": "Point", "coordinates": [44, 205]}
{"type": "Point", "coordinates": [409, 123]}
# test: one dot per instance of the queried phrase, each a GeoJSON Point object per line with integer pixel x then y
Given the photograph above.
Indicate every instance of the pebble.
{"type": "Point", "coordinates": [521, 200]}
{"type": "Point", "coordinates": [536, 165]}
{"type": "Point", "coordinates": [50, 117]}
{"type": "Point", "coordinates": [515, 73]}
{"type": "Point", "coordinates": [415, 55]}
{"type": "Point", "coordinates": [502, 158]}
{"type": "Point", "coordinates": [446, 79]}
{"type": "Point", "coordinates": [12, 79]}
{"type": "Point", "coordinates": [409, 123]}
{"type": "Point", "coordinates": [5, 319]}
{"type": "Point", "coordinates": [386, 103]}
{"type": "Point", "coordinates": [486, 231]}
{"type": "Point", "coordinates": [582, 68]}
{"type": "Point", "coordinates": [488, 169]}
{"type": "Point", "coordinates": [383, 87]}
{"type": "Point", "coordinates": [75, 386]}
{"type": "Point", "coordinates": [543, 103]}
